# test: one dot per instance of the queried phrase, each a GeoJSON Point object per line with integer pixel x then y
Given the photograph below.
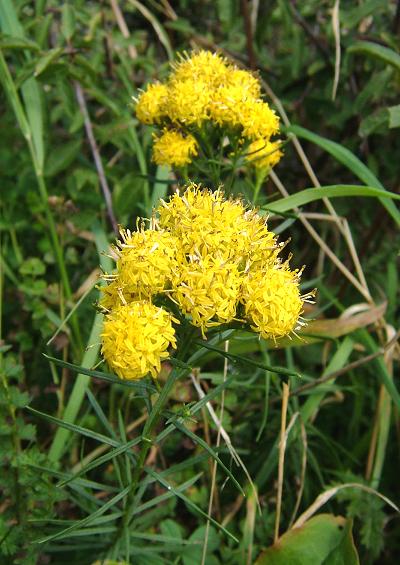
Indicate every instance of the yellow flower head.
{"type": "Point", "coordinates": [144, 265]}
{"type": "Point", "coordinates": [272, 301]}
{"type": "Point", "coordinates": [245, 80]}
{"type": "Point", "coordinates": [261, 244]}
{"type": "Point", "coordinates": [207, 67]}
{"type": "Point", "coordinates": [174, 148]}
{"type": "Point", "coordinates": [205, 223]}
{"type": "Point", "coordinates": [135, 339]}
{"type": "Point", "coordinates": [151, 104]}
{"type": "Point", "coordinates": [257, 119]}
{"type": "Point", "coordinates": [207, 289]}
{"type": "Point", "coordinates": [263, 154]}
{"type": "Point", "coordinates": [225, 105]}
{"type": "Point", "coordinates": [188, 101]}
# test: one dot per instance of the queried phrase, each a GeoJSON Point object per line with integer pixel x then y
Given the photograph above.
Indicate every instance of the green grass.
{"type": "Point", "coordinates": [94, 468]}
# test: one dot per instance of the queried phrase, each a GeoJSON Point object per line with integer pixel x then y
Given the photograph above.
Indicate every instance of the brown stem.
{"type": "Point", "coordinates": [249, 35]}
{"type": "Point", "coordinates": [96, 155]}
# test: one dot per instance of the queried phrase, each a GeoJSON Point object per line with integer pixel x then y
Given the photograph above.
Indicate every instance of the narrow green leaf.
{"type": "Point", "coordinates": [73, 427]}
{"type": "Point", "coordinates": [349, 160]}
{"type": "Point", "coordinates": [89, 519]}
{"type": "Point", "coordinates": [100, 375]}
{"type": "Point", "coordinates": [11, 42]}
{"type": "Point", "coordinates": [68, 21]}
{"type": "Point", "coordinates": [30, 90]}
{"type": "Point", "coordinates": [47, 59]}
{"type": "Point", "coordinates": [101, 460]}
{"type": "Point", "coordinates": [252, 362]}
{"type": "Point", "coordinates": [333, 191]}
{"type": "Point", "coordinates": [160, 31]}
{"type": "Point", "coordinates": [200, 441]}
{"type": "Point", "coordinates": [374, 50]}
{"type": "Point", "coordinates": [192, 505]}
{"type": "Point", "coordinates": [165, 496]}
{"type": "Point", "coordinates": [160, 188]}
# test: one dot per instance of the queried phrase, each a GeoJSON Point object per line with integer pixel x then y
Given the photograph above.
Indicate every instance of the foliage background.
{"type": "Point", "coordinates": [110, 50]}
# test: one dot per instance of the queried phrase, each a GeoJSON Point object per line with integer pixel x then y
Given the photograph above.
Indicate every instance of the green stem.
{"type": "Point", "coordinates": [148, 437]}
{"type": "Point", "coordinates": [260, 176]}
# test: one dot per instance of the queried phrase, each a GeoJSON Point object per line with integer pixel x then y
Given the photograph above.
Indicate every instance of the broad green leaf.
{"type": "Point", "coordinates": [349, 160]}
{"type": "Point", "coordinates": [345, 553]}
{"type": "Point", "coordinates": [312, 544]}
{"type": "Point", "coordinates": [61, 157]}
{"type": "Point", "coordinates": [394, 116]}
{"type": "Point", "coordinates": [193, 555]}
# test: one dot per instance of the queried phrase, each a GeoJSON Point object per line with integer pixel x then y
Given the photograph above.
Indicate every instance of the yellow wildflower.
{"type": "Point", "coordinates": [151, 104]}
{"type": "Point", "coordinates": [207, 289]}
{"type": "Point", "coordinates": [257, 119]}
{"type": "Point", "coordinates": [263, 154]}
{"type": "Point", "coordinates": [144, 265]}
{"type": "Point", "coordinates": [225, 105]}
{"type": "Point", "coordinates": [272, 300]}
{"type": "Point", "coordinates": [188, 101]}
{"type": "Point", "coordinates": [245, 80]}
{"type": "Point", "coordinates": [205, 223]}
{"type": "Point", "coordinates": [210, 68]}
{"type": "Point", "coordinates": [135, 339]}
{"type": "Point", "coordinates": [174, 148]}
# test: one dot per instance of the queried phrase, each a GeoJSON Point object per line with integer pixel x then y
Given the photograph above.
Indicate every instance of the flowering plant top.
{"type": "Point", "coordinates": [211, 259]}
{"type": "Point", "coordinates": [206, 95]}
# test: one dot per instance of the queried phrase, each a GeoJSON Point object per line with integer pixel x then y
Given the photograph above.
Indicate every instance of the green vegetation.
{"type": "Point", "coordinates": [309, 443]}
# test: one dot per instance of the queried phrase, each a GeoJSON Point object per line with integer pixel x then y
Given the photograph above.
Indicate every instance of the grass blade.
{"type": "Point", "coordinates": [349, 160]}
{"type": "Point", "coordinates": [333, 191]}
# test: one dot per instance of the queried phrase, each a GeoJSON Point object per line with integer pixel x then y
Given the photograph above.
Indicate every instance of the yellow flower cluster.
{"type": "Point", "coordinates": [174, 148]}
{"type": "Point", "coordinates": [206, 87]}
{"type": "Point", "coordinates": [136, 337]}
{"type": "Point", "coordinates": [215, 259]}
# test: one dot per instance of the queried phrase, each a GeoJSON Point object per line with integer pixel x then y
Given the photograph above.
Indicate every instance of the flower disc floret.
{"type": "Point", "coordinates": [272, 301]}
{"type": "Point", "coordinates": [151, 104]}
{"type": "Point", "coordinates": [174, 148]}
{"type": "Point", "coordinates": [207, 289]}
{"type": "Point", "coordinates": [135, 339]}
